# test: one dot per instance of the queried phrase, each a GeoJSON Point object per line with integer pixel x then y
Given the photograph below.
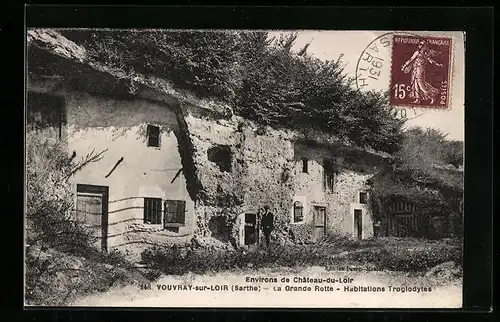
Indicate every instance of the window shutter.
{"type": "Point", "coordinates": [174, 213]}
{"type": "Point", "coordinates": [181, 208]}
{"type": "Point", "coordinates": [152, 210]}
{"type": "Point", "coordinates": [168, 212]}
{"type": "Point", "coordinates": [146, 211]}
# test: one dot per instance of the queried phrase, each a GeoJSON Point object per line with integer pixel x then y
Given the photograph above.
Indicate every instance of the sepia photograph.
{"type": "Point", "coordinates": [244, 168]}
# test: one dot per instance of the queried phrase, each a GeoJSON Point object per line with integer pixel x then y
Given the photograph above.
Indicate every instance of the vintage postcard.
{"type": "Point", "coordinates": [249, 168]}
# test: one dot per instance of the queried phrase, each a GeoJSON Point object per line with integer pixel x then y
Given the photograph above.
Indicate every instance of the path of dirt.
{"type": "Point", "coordinates": [425, 292]}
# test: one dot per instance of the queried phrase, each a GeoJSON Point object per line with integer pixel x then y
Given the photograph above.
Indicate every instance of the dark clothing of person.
{"type": "Point", "coordinates": [267, 223]}
{"type": "Point", "coordinates": [267, 237]}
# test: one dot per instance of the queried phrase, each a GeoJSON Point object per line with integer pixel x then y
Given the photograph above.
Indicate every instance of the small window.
{"type": "Point", "coordinates": [305, 164]}
{"type": "Point", "coordinates": [174, 213]}
{"type": "Point", "coordinates": [298, 211]}
{"type": "Point", "coordinates": [153, 135]}
{"type": "Point", "coordinates": [328, 175]}
{"type": "Point", "coordinates": [363, 197]}
{"type": "Point", "coordinates": [152, 210]}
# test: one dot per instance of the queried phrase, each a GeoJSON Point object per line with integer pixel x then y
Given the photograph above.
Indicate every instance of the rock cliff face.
{"type": "Point", "coordinates": [242, 167]}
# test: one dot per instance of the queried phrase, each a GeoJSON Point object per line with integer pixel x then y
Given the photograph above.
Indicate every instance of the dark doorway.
{"type": "Point", "coordinates": [251, 229]}
{"type": "Point", "coordinates": [328, 175]}
{"type": "Point", "coordinates": [358, 223]}
{"type": "Point", "coordinates": [219, 229]}
{"type": "Point", "coordinates": [92, 211]}
{"type": "Point", "coordinates": [438, 226]}
{"type": "Point", "coordinates": [319, 215]}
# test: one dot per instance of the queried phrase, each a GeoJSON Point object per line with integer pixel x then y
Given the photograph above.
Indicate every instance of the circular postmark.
{"type": "Point", "coordinates": [373, 71]}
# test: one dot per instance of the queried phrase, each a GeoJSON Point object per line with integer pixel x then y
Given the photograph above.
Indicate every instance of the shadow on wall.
{"type": "Point", "coordinates": [342, 157]}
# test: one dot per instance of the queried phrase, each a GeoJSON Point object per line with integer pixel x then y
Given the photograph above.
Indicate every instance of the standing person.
{"type": "Point", "coordinates": [267, 224]}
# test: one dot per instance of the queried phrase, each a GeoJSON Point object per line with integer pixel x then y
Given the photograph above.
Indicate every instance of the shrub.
{"type": "Point", "coordinates": [421, 175]}
{"type": "Point", "coordinates": [342, 241]}
{"type": "Point", "coordinates": [416, 259]}
{"type": "Point", "coordinates": [49, 204]}
{"type": "Point", "coordinates": [50, 225]}
{"type": "Point", "coordinates": [178, 261]}
{"type": "Point", "coordinates": [153, 274]}
{"type": "Point", "coordinates": [382, 255]}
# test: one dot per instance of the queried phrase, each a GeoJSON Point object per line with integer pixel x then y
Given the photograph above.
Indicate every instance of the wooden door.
{"type": "Point", "coordinates": [358, 223]}
{"type": "Point", "coordinates": [92, 212]}
{"type": "Point", "coordinates": [319, 217]}
{"type": "Point", "coordinates": [251, 230]}
{"type": "Point", "coordinates": [438, 226]}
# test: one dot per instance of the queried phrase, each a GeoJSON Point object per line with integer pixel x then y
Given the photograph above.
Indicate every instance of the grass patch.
{"type": "Point", "coordinates": [385, 254]}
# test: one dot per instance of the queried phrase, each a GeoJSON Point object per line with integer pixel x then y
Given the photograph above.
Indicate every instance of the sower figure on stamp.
{"type": "Point", "coordinates": [267, 224]}
{"type": "Point", "coordinates": [421, 90]}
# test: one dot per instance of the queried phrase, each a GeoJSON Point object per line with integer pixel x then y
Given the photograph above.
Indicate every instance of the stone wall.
{"type": "Point", "coordinates": [350, 178]}
{"type": "Point", "coordinates": [261, 164]}
{"type": "Point", "coordinates": [266, 169]}
{"type": "Point", "coordinates": [221, 196]}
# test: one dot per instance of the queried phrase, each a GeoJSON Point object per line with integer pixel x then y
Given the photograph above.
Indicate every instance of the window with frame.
{"type": "Point", "coordinates": [328, 175]}
{"type": "Point", "coordinates": [305, 165]}
{"type": "Point", "coordinates": [174, 214]}
{"type": "Point", "coordinates": [153, 135]}
{"type": "Point", "coordinates": [152, 210]}
{"type": "Point", "coordinates": [298, 212]}
{"type": "Point", "coordinates": [363, 197]}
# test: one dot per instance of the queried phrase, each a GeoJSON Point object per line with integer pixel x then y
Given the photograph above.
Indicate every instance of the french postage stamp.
{"type": "Point", "coordinates": [416, 80]}
{"type": "Point", "coordinates": [420, 71]}
{"type": "Point", "coordinates": [244, 168]}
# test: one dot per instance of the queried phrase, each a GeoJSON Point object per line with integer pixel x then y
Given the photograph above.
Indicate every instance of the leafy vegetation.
{"type": "Point", "coordinates": [263, 78]}
{"type": "Point", "coordinates": [50, 194]}
{"type": "Point", "coordinates": [427, 171]}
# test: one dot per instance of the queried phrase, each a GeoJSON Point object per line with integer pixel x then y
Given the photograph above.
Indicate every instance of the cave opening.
{"type": "Point", "coordinates": [221, 155]}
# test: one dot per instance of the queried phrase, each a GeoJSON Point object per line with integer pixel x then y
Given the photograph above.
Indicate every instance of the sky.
{"type": "Point", "coordinates": [350, 45]}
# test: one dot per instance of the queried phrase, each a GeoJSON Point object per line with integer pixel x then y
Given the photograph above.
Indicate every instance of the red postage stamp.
{"type": "Point", "coordinates": [420, 71]}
